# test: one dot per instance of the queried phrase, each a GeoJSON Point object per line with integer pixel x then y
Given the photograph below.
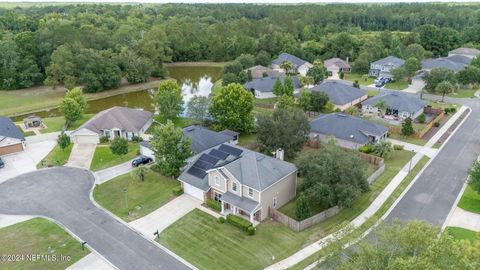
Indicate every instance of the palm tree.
{"type": "Point", "coordinates": [444, 88]}
{"type": "Point", "coordinates": [140, 172]}
{"type": "Point", "coordinates": [287, 66]}
{"type": "Point", "coordinates": [382, 106]}
{"type": "Point", "coordinates": [383, 149]}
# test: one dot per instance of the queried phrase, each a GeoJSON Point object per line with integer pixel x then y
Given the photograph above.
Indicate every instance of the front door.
{"type": "Point", "coordinates": [217, 197]}
{"type": "Point", "coordinates": [116, 133]}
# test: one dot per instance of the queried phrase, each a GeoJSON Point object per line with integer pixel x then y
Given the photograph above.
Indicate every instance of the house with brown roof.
{"type": "Point", "coordinates": [114, 122]}
{"type": "Point", "coordinates": [259, 71]}
{"type": "Point", "coordinates": [468, 52]}
{"type": "Point", "coordinates": [336, 65]}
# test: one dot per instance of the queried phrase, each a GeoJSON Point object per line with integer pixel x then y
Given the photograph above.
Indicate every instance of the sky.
{"type": "Point", "coordinates": [240, 1]}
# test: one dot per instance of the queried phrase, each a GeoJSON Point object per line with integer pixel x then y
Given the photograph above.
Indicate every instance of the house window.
{"type": "Point", "coordinates": [234, 186]}
{"type": "Point", "coordinates": [217, 180]}
{"type": "Point", "coordinates": [250, 192]}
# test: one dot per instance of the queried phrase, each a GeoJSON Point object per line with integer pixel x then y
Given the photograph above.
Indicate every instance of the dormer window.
{"type": "Point", "coordinates": [217, 180]}
{"type": "Point", "coordinates": [250, 192]}
{"type": "Point", "coordinates": [234, 186]}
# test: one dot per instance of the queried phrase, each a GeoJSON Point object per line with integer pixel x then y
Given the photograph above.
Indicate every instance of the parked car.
{"type": "Point", "coordinates": [378, 80]}
{"type": "Point", "coordinates": [2, 164]}
{"type": "Point", "coordinates": [142, 160]}
{"type": "Point", "coordinates": [379, 84]}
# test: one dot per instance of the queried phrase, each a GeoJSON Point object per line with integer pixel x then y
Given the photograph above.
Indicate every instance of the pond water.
{"type": "Point", "coordinates": [194, 80]}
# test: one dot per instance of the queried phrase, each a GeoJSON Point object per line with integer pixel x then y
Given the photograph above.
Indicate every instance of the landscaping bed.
{"type": "Point", "coordinates": [104, 158]}
{"type": "Point", "coordinates": [39, 236]}
{"type": "Point", "coordinates": [143, 197]}
{"type": "Point", "coordinates": [56, 157]}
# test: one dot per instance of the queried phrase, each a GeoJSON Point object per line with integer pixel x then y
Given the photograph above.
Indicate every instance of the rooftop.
{"type": "Point", "coordinates": [289, 58]}
{"type": "Point", "coordinates": [337, 62]}
{"type": "Point", "coordinates": [398, 101]}
{"type": "Point", "coordinates": [339, 92]}
{"type": "Point", "coordinates": [266, 84]}
{"type": "Point", "coordinates": [9, 130]}
{"type": "Point", "coordinates": [466, 51]}
{"type": "Point", "coordinates": [203, 138]}
{"type": "Point", "coordinates": [390, 61]}
{"type": "Point", "coordinates": [454, 62]}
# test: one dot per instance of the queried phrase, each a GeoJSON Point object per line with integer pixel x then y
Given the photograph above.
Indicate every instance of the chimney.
{"type": "Point", "coordinates": [279, 153]}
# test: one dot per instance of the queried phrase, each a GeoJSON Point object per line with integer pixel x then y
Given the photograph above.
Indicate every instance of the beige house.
{"type": "Point", "coordinates": [259, 71]}
{"type": "Point", "coordinates": [246, 183]}
{"type": "Point", "coordinates": [336, 65]}
{"type": "Point", "coordinates": [299, 65]}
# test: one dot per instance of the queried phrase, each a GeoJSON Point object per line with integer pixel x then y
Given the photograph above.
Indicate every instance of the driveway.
{"type": "Point", "coordinates": [26, 161]}
{"type": "Point", "coordinates": [63, 194]}
{"type": "Point", "coordinates": [103, 176]}
{"type": "Point", "coordinates": [81, 155]}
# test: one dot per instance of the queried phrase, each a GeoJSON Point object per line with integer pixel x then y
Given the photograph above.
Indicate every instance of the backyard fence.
{"type": "Point", "coordinates": [376, 174]}
{"type": "Point", "coordinates": [439, 117]}
{"type": "Point", "coordinates": [299, 226]}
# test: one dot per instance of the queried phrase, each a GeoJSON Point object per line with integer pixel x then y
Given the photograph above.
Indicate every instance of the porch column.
{"type": "Point", "coordinates": [234, 209]}
{"type": "Point", "coordinates": [251, 217]}
{"type": "Point", "coordinates": [223, 208]}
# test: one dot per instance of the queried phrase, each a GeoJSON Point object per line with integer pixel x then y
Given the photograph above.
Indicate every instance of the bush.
{"type": "Point", "coordinates": [119, 146]}
{"type": "Point", "coordinates": [251, 230]}
{"type": "Point", "coordinates": [217, 206]}
{"type": "Point", "coordinates": [221, 220]}
{"type": "Point", "coordinates": [422, 118]}
{"type": "Point", "coordinates": [453, 110]}
{"type": "Point", "coordinates": [103, 139]}
{"type": "Point", "coordinates": [177, 191]}
{"type": "Point", "coordinates": [137, 139]}
{"type": "Point", "coordinates": [446, 110]}
{"type": "Point", "coordinates": [239, 222]}
{"type": "Point", "coordinates": [366, 149]}
{"type": "Point", "coordinates": [397, 147]}
{"type": "Point", "coordinates": [341, 75]}
{"type": "Point", "coordinates": [436, 124]}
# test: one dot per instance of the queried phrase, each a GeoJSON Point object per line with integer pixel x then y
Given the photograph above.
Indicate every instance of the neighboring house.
{"type": "Point", "coordinates": [348, 131]}
{"type": "Point", "coordinates": [300, 66]}
{"type": "Point", "coordinates": [260, 71]}
{"type": "Point", "coordinates": [263, 87]}
{"type": "Point", "coordinates": [201, 138]}
{"type": "Point", "coordinates": [454, 62]}
{"type": "Point", "coordinates": [11, 138]}
{"type": "Point", "coordinates": [468, 52]}
{"type": "Point", "coordinates": [383, 67]}
{"type": "Point", "coordinates": [114, 122]}
{"type": "Point", "coordinates": [336, 65]}
{"type": "Point", "coordinates": [246, 183]}
{"type": "Point", "coordinates": [341, 93]}
{"type": "Point", "coordinates": [398, 106]}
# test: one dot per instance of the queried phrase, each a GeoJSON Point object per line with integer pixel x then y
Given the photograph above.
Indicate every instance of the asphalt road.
{"type": "Point", "coordinates": [434, 193]}
{"type": "Point", "coordinates": [63, 195]}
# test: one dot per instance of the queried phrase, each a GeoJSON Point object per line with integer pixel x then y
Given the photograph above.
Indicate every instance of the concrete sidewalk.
{"type": "Point", "coordinates": [103, 176]}
{"type": "Point", "coordinates": [427, 151]}
{"type": "Point", "coordinates": [465, 219]}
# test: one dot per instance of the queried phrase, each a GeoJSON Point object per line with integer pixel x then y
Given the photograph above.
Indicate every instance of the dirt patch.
{"type": "Point", "coordinates": [434, 129]}
{"type": "Point", "coordinates": [452, 128]}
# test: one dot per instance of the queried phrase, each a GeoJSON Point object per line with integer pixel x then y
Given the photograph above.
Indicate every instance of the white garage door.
{"type": "Point", "coordinates": [193, 191]}
{"type": "Point", "coordinates": [86, 139]}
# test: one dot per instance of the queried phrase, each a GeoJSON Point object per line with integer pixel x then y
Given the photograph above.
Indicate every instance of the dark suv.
{"type": "Point", "coordinates": [2, 164]}
{"type": "Point", "coordinates": [141, 161]}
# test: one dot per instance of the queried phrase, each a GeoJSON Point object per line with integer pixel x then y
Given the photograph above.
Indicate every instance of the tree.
{"type": "Point", "coordinates": [469, 75]}
{"type": "Point", "coordinates": [317, 72]}
{"type": "Point", "coordinates": [407, 127]}
{"type": "Point", "coordinates": [247, 60]}
{"type": "Point", "coordinates": [285, 102]}
{"type": "Point", "coordinates": [70, 110]}
{"type": "Point", "coordinates": [262, 58]}
{"type": "Point", "coordinates": [444, 88]}
{"type": "Point", "coordinates": [306, 81]}
{"type": "Point", "coordinates": [242, 77]}
{"type": "Point", "coordinates": [302, 210]}
{"type": "Point", "coordinates": [474, 176]}
{"type": "Point", "coordinates": [319, 101]}
{"type": "Point", "coordinates": [352, 110]}
{"type": "Point", "coordinates": [140, 172]}
{"type": "Point", "coordinates": [414, 50]}
{"type": "Point", "coordinates": [197, 108]}
{"type": "Point", "coordinates": [287, 66]}
{"type": "Point", "coordinates": [383, 149]}
{"type": "Point", "coordinates": [63, 140]}
{"type": "Point", "coordinates": [382, 106]}
{"type": "Point", "coordinates": [171, 147]}
{"type": "Point", "coordinates": [228, 78]}
{"type": "Point", "coordinates": [438, 75]}
{"type": "Point", "coordinates": [168, 100]}
{"type": "Point", "coordinates": [305, 101]}
{"type": "Point", "coordinates": [119, 146]}
{"type": "Point", "coordinates": [77, 95]}
{"type": "Point", "coordinates": [288, 86]}
{"type": "Point", "coordinates": [233, 67]}
{"type": "Point", "coordinates": [232, 108]}
{"type": "Point", "coordinates": [411, 66]}
{"type": "Point", "coordinates": [399, 73]}
{"type": "Point", "coordinates": [285, 128]}
{"type": "Point", "coordinates": [277, 88]}
{"type": "Point", "coordinates": [332, 176]}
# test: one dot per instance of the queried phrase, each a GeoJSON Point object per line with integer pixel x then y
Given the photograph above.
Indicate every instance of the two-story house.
{"type": "Point", "coordinates": [246, 183]}
{"type": "Point", "coordinates": [383, 67]}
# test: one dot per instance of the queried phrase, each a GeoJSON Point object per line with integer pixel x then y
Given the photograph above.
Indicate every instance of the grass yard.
{"type": "Point", "coordinates": [461, 233]}
{"type": "Point", "coordinates": [463, 93]}
{"type": "Point", "coordinates": [55, 124]}
{"type": "Point", "coordinates": [408, 139]}
{"type": "Point", "coordinates": [104, 158]}
{"type": "Point", "coordinates": [397, 85]}
{"type": "Point", "coordinates": [56, 157]}
{"type": "Point", "coordinates": [246, 139]}
{"type": "Point", "coordinates": [143, 197]}
{"type": "Point", "coordinates": [179, 122]}
{"type": "Point", "coordinates": [372, 93]}
{"type": "Point", "coordinates": [363, 79]}
{"type": "Point", "coordinates": [270, 101]}
{"type": "Point", "coordinates": [208, 240]}
{"type": "Point", "coordinates": [470, 200]}
{"type": "Point", "coordinates": [25, 133]}
{"type": "Point", "coordinates": [39, 236]}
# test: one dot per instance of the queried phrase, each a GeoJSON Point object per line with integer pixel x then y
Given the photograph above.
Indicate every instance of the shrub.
{"type": "Point", "coordinates": [217, 206]}
{"type": "Point", "coordinates": [177, 191]}
{"type": "Point", "coordinates": [407, 127]}
{"type": "Point", "coordinates": [453, 110]}
{"type": "Point", "coordinates": [221, 220]}
{"type": "Point", "coordinates": [119, 146]}
{"type": "Point", "coordinates": [436, 124]}
{"type": "Point", "coordinates": [239, 222]}
{"type": "Point", "coordinates": [137, 139]}
{"type": "Point", "coordinates": [422, 118]}
{"type": "Point", "coordinates": [397, 147]}
{"type": "Point", "coordinates": [251, 230]}
{"type": "Point", "coordinates": [446, 110]}
{"type": "Point", "coordinates": [303, 209]}
{"type": "Point", "coordinates": [103, 139]}
{"type": "Point", "coordinates": [341, 75]}
{"type": "Point", "coordinates": [366, 149]}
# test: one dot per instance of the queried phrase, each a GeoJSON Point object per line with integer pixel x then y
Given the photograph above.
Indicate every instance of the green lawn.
{"type": "Point", "coordinates": [408, 139]}
{"type": "Point", "coordinates": [372, 93]}
{"type": "Point", "coordinates": [39, 236]}
{"type": "Point", "coordinates": [143, 197]}
{"type": "Point", "coordinates": [179, 122]}
{"type": "Point", "coordinates": [104, 158]}
{"type": "Point", "coordinates": [246, 139]}
{"type": "Point", "coordinates": [463, 93]}
{"type": "Point", "coordinates": [397, 85]}
{"type": "Point", "coordinates": [461, 233]}
{"type": "Point", "coordinates": [35, 98]}
{"type": "Point", "coordinates": [208, 240]}
{"type": "Point", "coordinates": [25, 134]}
{"type": "Point", "coordinates": [363, 79]}
{"type": "Point", "coordinates": [470, 200]}
{"type": "Point", "coordinates": [270, 101]}
{"type": "Point", "coordinates": [56, 157]}
{"type": "Point", "coordinates": [55, 124]}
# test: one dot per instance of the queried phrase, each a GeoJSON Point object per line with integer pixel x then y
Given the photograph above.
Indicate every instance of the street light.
{"type": "Point", "coordinates": [126, 198]}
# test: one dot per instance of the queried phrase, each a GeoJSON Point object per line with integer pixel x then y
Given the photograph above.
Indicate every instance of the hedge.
{"type": "Point", "coordinates": [221, 220]}
{"type": "Point", "coordinates": [217, 206]}
{"type": "Point", "coordinates": [239, 222]}
{"type": "Point", "coordinates": [251, 230]}
{"type": "Point", "coordinates": [177, 191]}
{"type": "Point", "coordinates": [397, 147]}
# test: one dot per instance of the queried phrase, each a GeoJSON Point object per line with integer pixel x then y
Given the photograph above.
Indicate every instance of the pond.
{"type": "Point", "coordinates": [194, 80]}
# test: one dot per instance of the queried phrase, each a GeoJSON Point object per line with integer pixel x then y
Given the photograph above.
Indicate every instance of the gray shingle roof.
{"type": "Point", "coordinates": [391, 61]}
{"type": "Point", "coordinates": [9, 129]}
{"type": "Point", "coordinates": [346, 127]}
{"type": "Point", "coordinates": [124, 118]}
{"type": "Point", "coordinates": [466, 51]}
{"type": "Point", "coordinates": [290, 58]}
{"type": "Point", "coordinates": [339, 92]}
{"type": "Point", "coordinates": [454, 63]}
{"type": "Point", "coordinates": [252, 169]}
{"type": "Point", "coordinates": [336, 61]}
{"type": "Point", "coordinates": [398, 101]}
{"type": "Point", "coordinates": [244, 203]}
{"type": "Point", "coordinates": [265, 84]}
{"type": "Point", "coordinates": [204, 138]}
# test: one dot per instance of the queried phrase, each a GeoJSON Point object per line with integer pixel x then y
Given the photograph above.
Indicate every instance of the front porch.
{"type": "Point", "coordinates": [254, 218]}
{"type": "Point", "coordinates": [240, 206]}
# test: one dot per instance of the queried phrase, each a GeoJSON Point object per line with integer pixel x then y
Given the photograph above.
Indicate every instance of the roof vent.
{"type": "Point", "coordinates": [351, 136]}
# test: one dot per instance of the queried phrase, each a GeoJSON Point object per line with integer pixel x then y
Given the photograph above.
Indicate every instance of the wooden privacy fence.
{"type": "Point", "coordinates": [422, 132]}
{"type": "Point", "coordinates": [299, 226]}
